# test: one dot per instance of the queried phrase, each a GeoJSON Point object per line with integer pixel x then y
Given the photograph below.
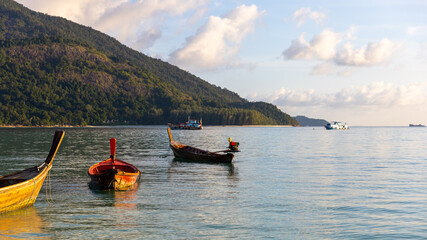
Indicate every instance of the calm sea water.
{"type": "Point", "coordinates": [287, 183]}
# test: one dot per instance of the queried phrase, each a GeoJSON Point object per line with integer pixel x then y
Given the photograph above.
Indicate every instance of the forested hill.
{"type": "Point", "coordinates": [54, 71]}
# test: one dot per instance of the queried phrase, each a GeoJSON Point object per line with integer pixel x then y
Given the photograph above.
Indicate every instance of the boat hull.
{"type": "Point", "coordinates": [194, 154]}
{"type": "Point", "coordinates": [186, 152]}
{"type": "Point", "coordinates": [115, 176]}
{"type": "Point", "coordinates": [22, 194]}
{"type": "Point", "coordinates": [20, 189]}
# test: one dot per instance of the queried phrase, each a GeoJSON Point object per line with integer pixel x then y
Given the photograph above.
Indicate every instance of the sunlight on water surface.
{"type": "Point", "coordinates": [287, 183]}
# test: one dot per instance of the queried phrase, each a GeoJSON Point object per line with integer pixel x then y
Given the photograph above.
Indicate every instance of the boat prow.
{"type": "Point", "coordinates": [20, 189]}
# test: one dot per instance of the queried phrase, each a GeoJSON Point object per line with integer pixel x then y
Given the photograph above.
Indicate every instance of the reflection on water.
{"type": "Point", "coordinates": [126, 199]}
{"type": "Point", "coordinates": [22, 223]}
{"type": "Point", "coordinates": [120, 199]}
{"type": "Point", "coordinates": [180, 164]}
{"type": "Point", "coordinates": [286, 183]}
{"type": "Point", "coordinates": [123, 207]}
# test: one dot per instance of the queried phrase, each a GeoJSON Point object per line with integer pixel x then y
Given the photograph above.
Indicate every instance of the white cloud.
{"type": "Point", "coordinates": [326, 47]}
{"type": "Point", "coordinates": [82, 11]}
{"type": "Point", "coordinates": [375, 95]}
{"type": "Point", "coordinates": [378, 103]}
{"type": "Point", "coordinates": [371, 54]}
{"type": "Point", "coordinates": [286, 97]}
{"type": "Point", "coordinates": [322, 69]}
{"type": "Point", "coordinates": [217, 42]}
{"type": "Point", "coordinates": [336, 49]}
{"type": "Point", "coordinates": [147, 38]}
{"type": "Point", "coordinates": [416, 30]}
{"type": "Point", "coordinates": [137, 23]}
{"type": "Point", "coordinates": [304, 14]}
{"type": "Point", "coordinates": [132, 21]}
{"type": "Point", "coordinates": [322, 46]}
{"type": "Point", "coordinates": [198, 14]}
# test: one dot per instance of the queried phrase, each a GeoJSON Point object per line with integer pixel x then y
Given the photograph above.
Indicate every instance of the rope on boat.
{"type": "Point", "coordinates": [31, 193]}
{"type": "Point", "coordinates": [167, 154]}
{"type": "Point", "coordinates": [41, 166]}
{"type": "Point", "coordinates": [49, 183]}
{"type": "Point", "coordinates": [119, 183]}
{"type": "Point", "coordinates": [112, 183]}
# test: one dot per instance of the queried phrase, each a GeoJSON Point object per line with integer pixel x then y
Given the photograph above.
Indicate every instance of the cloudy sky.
{"type": "Point", "coordinates": [362, 62]}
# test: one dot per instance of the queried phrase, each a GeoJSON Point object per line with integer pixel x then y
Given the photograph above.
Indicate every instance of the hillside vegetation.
{"type": "Point", "coordinates": [53, 71]}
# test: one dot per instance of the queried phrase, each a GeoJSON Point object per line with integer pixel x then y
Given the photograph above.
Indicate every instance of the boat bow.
{"type": "Point", "coordinates": [20, 189]}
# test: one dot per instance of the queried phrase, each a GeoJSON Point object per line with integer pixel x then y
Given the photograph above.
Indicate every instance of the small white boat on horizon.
{"type": "Point", "coordinates": [336, 126]}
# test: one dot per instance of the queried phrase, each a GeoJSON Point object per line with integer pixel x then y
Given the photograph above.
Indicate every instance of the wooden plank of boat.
{"type": "Point", "coordinates": [20, 189]}
{"type": "Point", "coordinates": [113, 173]}
{"type": "Point", "coordinates": [191, 153]}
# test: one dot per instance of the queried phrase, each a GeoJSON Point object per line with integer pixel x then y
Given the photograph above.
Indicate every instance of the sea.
{"type": "Point", "coordinates": [286, 183]}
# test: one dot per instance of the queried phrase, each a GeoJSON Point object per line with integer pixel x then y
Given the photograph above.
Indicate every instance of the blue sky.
{"type": "Point", "coordinates": [362, 62]}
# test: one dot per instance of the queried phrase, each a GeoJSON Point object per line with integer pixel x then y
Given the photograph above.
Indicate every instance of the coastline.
{"type": "Point", "coordinates": [45, 126]}
{"type": "Point", "coordinates": [250, 126]}
{"type": "Point", "coordinates": [92, 126]}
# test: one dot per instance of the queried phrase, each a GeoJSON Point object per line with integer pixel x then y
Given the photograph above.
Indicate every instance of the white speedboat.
{"type": "Point", "coordinates": [336, 126]}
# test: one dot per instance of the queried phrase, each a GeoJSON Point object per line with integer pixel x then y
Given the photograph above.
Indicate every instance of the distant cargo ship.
{"type": "Point", "coordinates": [336, 126]}
{"type": "Point", "coordinates": [416, 125]}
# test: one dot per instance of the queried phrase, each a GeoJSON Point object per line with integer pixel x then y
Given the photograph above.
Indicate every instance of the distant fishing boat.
{"type": "Point", "coordinates": [191, 124]}
{"type": "Point", "coordinates": [416, 125]}
{"type": "Point", "coordinates": [184, 151]}
{"type": "Point", "coordinates": [113, 173]}
{"type": "Point", "coordinates": [20, 189]}
{"type": "Point", "coordinates": [336, 126]}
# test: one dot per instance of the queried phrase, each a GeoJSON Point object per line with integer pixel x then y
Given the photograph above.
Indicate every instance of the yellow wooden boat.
{"type": "Point", "coordinates": [20, 189]}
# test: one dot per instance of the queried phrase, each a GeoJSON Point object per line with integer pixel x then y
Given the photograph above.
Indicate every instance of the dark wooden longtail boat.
{"type": "Point", "coordinates": [113, 173]}
{"type": "Point", "coordinates": [20, 189]}
{"type": "Point", "coordinates": [186, 152]}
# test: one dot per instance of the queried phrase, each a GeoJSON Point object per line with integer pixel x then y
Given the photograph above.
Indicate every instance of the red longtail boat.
{"type": "Point", "coordinates": [113, 173]}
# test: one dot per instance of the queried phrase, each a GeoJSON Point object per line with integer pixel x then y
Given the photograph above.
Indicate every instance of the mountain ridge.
{"type": "Point", "coordinates": [132, 87]}
{"type": "Point", "coordinates": [306, 121]}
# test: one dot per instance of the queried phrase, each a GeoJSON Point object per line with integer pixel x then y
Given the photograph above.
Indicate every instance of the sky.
{"type": "Point", "coordinates": [360, 62]}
